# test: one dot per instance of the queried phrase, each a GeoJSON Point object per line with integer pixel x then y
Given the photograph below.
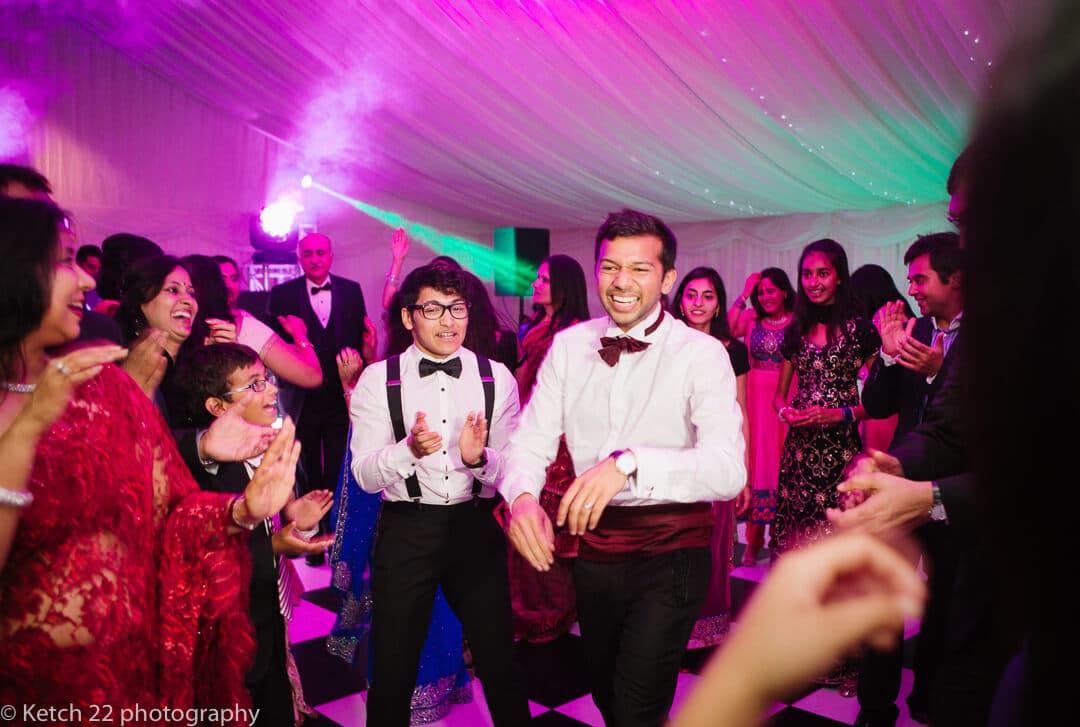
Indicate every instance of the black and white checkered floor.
{"type": "Point", "coordinates": [555, 678]}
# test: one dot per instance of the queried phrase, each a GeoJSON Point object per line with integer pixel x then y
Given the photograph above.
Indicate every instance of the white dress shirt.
{"type": "Point", "coordinates": [381, 463]}
{"type": "Point", "coordinates": [673, 404]}
{"type": "Point", "coordinates": [321, 302]}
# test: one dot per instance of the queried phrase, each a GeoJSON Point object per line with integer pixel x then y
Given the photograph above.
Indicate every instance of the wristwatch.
{"type": "Point", "coordinates": [625, 462]}
{"type": "Point", "coordinates": [480, 462]}
{"type": "Point", "coordinates": [937, 510]}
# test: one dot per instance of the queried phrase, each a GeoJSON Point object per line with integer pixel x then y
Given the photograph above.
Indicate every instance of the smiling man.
{"type": "Point", "coordinates": [649, 412]}
{"type": "Point", "coordinates": [429, 428]}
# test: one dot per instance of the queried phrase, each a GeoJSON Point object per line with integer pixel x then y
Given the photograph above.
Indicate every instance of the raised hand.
{"type": "Point", "coordinates": [306, 511]}
{"type": "Point", "coordinates": [220, 331]}
{"type": "Point", "coordinates": [473, 437]}
{"type": "Point", "coordinates": [349, 366]}
{"type": "Point", "coordinates": [231, 438]}
{"type": "Point", "coordinates": [145, 362]}
{"type": "Point", "coordinates": [748, 287]}
{"type": "Point", "coordinates": [272, 484]}
{"type": "Point", "coordinates": [923, 359]}
{"type": "Point", "coordinates": [399, 244]}
{"type": "Point", "coordinates": [294, 326]}
{"type": "Point", "coordinates": [531, 533]}
{"type": "Point", "coordinates": [893, 327]}
{"type": "Point", "coordinates": [59, 380]}
{"type": "Point", "coordinates": [369, 340]}
{"type": "Point", "coordinates": [423, 441]}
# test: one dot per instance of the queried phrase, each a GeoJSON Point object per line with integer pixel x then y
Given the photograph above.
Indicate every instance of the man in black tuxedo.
{"type": "Point", "coordinates": [907, 375]}
{"type": "Point", "coordinates": [333, 310]}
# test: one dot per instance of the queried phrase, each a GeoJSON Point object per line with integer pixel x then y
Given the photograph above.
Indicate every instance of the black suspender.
{"type": "Point", "coordinates": [397, 417]}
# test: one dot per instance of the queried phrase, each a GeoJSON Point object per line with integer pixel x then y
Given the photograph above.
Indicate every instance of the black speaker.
{"type": "Point", "coordinates": [518, 252]}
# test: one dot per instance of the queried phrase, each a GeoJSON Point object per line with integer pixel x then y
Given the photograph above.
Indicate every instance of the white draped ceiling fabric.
{"type": "Point", "coordinates": [752, 126]}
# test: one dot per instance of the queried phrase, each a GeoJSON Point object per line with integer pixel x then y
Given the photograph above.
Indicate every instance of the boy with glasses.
{"type": "Point", "coordinates": [429, 429]}
{"type": "Point", "coordinates": [216, 379]}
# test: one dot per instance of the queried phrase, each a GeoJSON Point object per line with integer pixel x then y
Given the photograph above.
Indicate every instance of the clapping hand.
{"type": "Point", "coordinates": [422, 441]}
{"type": "Point", "coordinates": [60, 378]}
{"type": "Point", "coordinates": [306, 511]}
{"type": "Point", "coordinates": [145, 362]}
{"type": "Point", "coordinates": [272, 484]}
{"type": "Point", "coordinates": [473, 438]}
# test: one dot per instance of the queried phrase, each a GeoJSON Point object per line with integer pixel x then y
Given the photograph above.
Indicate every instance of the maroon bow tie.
{"type": "Point", "coordinates": [613, 347]}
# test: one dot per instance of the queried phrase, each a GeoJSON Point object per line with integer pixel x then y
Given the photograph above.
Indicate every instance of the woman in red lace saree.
{"type": "Point", "coordinates": [122, 585]}
{"type": "Point", "coordinates": [544, 604]}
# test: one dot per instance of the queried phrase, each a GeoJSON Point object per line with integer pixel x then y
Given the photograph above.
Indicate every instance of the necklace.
{"type": "Point", "coordinates": [778, 321]}
{"type": "Point", "coordinates": [18, 388]}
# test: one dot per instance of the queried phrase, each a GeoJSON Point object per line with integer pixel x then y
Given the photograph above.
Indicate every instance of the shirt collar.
{"type": "Point", "coordinates": [312, 284]}
{"type": "Point", "coordinates": [954, 324]}
{"type": "Point", "coordinates": [644, 325]}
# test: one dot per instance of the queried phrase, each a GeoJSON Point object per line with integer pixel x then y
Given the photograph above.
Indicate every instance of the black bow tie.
{"type": "Point", "coordinates": [320, 288]}
{"type": "Point", "coordinates": [450, 368]}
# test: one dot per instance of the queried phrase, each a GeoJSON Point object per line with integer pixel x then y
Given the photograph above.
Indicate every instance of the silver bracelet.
{"type": "Point", "coordinates": [235, 519]}
{"type": "Point", "coordinates": [17, 499]}
{"type": "Point", "coordinates": [392, 279]}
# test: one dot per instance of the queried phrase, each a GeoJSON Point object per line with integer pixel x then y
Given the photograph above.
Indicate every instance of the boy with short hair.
{"type": "Point", "coordinates": [421, 425]}
{"type": "Point", "coordinates": [215, 379]}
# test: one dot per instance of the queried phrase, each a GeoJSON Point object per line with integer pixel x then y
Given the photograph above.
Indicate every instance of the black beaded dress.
{"type": "Point", "coordinates": [813, 458]}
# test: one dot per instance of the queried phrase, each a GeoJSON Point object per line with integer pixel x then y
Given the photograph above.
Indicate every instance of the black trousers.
{"type": "Point", "coordinates": [635, 618]}
{"type": "Point", "coordinates": [462, 549]}
{"type": "Point", "coordinates": [879, 673]}
{"type": "Point", "coordinates": [323, 431]}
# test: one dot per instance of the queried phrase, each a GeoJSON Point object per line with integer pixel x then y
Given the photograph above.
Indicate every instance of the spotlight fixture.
{"type": "Point", "coordinates": [274, 232]}
{"type": "Point", "coordinates": [306, 181]}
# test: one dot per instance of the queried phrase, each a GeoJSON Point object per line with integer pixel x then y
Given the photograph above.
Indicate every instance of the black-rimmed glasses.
{"type": "Point", "coordinates": [434, 311]}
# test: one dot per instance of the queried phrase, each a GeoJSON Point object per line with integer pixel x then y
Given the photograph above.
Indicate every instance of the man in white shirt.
{"type": "Point", "coordinates": [649, 412]}
{"type": "Point", "coordinates": [422, 437]}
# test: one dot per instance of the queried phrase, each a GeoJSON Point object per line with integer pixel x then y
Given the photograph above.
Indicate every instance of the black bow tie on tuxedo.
{"type": "Point", "coordinates": [320, 288]}
{"type": "Point", "coordinates": [450, 368]}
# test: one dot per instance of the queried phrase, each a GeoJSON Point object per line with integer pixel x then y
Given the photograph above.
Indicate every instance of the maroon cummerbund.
{"type": "Point", "coordinates": [637, 532]}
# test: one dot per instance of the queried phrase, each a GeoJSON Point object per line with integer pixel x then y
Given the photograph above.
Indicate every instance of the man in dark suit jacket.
{"type": "Point", "coordinates": [333, 310]}
{"type": "Point", "coordinates": [907, 375]}
{"type": "Point", "coordinates": [927, 475]}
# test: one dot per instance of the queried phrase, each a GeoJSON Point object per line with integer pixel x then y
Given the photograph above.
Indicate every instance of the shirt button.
{"type": "Point", "coordinates": [446, 477]}
{"type": "Point", "coordinates": [444, 451]}
{"type": "Point", "coordinates": [443, 389]}
{"type": "Point", "coordinates": [444, 421]}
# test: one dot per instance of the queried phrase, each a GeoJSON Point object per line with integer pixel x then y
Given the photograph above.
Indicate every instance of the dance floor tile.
{"type": "Point", "coordinates": [327, 598]}
{"type": "Point", "coordinates": [313, 577]}
{"type": "Point", "coordinates": [795, 717]}
{"type": "Point", "coordinates": [349, 710]}
{"type": "Point", "coordinates": [828, 703]}
{"type": "Point", "coordinates": [309, 621]}
{"type": "Point", "coordinates": [556, 719]}
{"type": "Point", "coordinates": [325, 677]}
{"type": "Point", "coordinates": [584, 710]}
{"type": "Point", "coordinates": [554, 672]}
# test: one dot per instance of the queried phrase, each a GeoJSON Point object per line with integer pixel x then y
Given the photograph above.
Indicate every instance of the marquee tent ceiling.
{"type": "Point", "coordinates": [553, 112]}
